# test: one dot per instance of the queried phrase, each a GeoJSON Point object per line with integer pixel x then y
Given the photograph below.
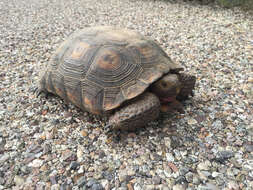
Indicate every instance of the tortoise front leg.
{"type": "Point", "coordinates": [188, 83]}
{"type": "Point", "coordinates": [172, 106]}
{"type": "Point", "coordinates": [136, 113]}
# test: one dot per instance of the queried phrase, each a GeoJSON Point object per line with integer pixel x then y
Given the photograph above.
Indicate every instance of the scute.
{"type": "Point", "coordinates": [133, 89]}
{"type": "Point", "coordinates": [99, 68]}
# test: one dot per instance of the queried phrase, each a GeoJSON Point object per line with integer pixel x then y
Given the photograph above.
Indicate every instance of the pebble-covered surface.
{"type": "Point", "coordinates": [46, 145]}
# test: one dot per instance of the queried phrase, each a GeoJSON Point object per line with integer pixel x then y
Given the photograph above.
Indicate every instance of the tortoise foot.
{"type": "Point", "coordinates": [172, 107]}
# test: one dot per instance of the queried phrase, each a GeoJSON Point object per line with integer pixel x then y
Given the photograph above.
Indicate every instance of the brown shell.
{"type": "Point", "coordinates": [99, 68]}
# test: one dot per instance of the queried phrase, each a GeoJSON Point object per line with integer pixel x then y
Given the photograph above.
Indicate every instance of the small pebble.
{"type": "Point", "coordinates": [36, 163]}
{"type": "Point", "coordinates": [18, 180]}
{"type": "Point", "coordinates": [178, 187]}
{"type": "Point", "coordinates": [74, 165]}
{"type": "Point", "coordinates": [81, 181]}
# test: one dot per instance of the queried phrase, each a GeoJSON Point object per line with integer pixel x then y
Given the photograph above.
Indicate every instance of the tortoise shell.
{"type": "Point", "coordinates": [99, 68]}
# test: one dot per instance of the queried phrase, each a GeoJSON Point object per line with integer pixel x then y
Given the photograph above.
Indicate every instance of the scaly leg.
{"type": "Point", "coordinates": [188, 83]}
{"type": "Point", "coordinates": [136, 113]}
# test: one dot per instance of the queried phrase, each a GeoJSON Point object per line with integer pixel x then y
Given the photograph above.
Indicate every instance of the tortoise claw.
{"type": "Point", "coordinates": [108, 128]}
{"type": "Point", "coordinates": [37, 91]}
{"type": "Point", "coordinates": [192, 93]}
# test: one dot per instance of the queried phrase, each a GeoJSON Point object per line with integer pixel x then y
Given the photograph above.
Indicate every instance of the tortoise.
{"type": "Point", "coordinates": [116, 72]}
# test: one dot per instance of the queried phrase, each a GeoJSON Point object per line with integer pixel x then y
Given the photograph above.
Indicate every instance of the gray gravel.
{"type": "Point", "coordinates": [46, 145]}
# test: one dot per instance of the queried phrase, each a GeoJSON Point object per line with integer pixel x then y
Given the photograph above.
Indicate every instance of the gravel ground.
{"type": "Point", "coordinates": [46, 145]}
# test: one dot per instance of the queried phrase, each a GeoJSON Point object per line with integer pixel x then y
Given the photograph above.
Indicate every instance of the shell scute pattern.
{"type": "Point", "coordinates": [99, 68]}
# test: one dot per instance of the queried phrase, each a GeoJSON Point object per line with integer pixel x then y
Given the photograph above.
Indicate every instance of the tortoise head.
{"type": "Point", "coordinates": [167, 88]}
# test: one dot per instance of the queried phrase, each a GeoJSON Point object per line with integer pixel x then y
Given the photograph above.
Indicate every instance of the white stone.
{"type": "Point", "coordinates": [36, 163]}
{"type": "Point", "coordinates": [170, 157]}
{"type": "Point", "coordinates": [18, 180]}
{"type": "Point", "coordinates": [178, 187]}
{"type": "Point", "coordinates": [204, 165]}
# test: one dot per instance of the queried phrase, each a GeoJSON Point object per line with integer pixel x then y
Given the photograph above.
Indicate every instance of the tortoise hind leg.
{"type": "Point", "coordinates": [41, 88]}
{"type": "Point", "coordinates": [136, 113]}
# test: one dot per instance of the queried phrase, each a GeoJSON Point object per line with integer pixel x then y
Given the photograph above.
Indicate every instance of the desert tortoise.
{"type": "Point", "coordinates": [117, 72]}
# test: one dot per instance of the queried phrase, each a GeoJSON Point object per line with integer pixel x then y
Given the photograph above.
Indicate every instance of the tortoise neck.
{"type": "Point", "coordinates": [167, 100]}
